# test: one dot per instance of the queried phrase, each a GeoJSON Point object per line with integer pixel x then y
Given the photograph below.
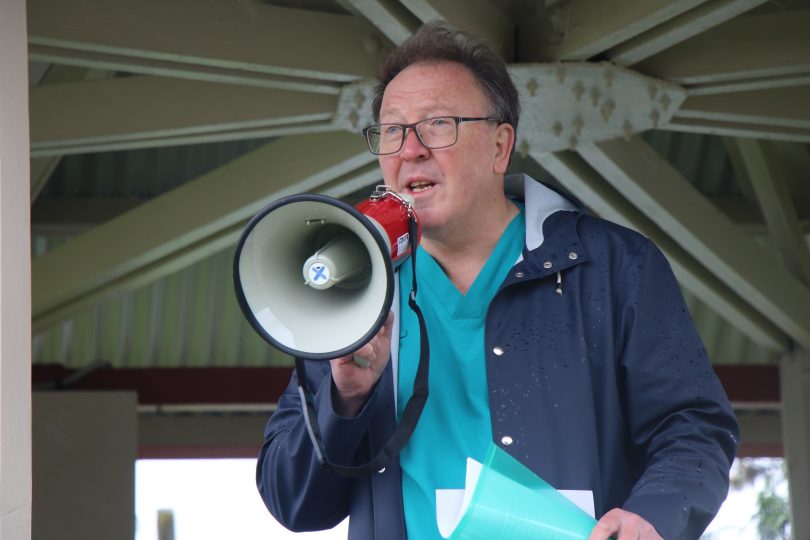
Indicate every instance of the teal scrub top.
{"type": "Point", "coordinates": [455, 423]}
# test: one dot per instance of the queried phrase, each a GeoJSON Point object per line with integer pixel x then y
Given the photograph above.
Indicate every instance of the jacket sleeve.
{"type": "Point", "coordinates": [679, 417]}
{"type": "Point", "coordinates": [296, 489]}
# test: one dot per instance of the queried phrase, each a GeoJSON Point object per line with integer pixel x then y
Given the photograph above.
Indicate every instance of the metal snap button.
{"type": "Point", "coordinates": [498, 351]}
{"type": "Point", "coordinates": [506, 440]}
{"type": "Point", "coordinates": [519, 274]}
{"type": "Point", "coordinates": [547, 264]}
{"type": "Point", "coordinates": [572, 256]}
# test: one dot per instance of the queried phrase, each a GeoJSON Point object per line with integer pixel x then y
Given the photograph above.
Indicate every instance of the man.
{"type": "Point", "coordinates": [558, 336]}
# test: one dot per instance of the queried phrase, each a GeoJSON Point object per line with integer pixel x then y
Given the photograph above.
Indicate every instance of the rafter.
{"type": "Point", "coordinates": [656, 188]}
{"type": "Point", "coordinates": [478, 16]}
{"type": "Point", "coordinates": [43, 167]}
{"type": "Point", "coordinates": [389, 16]}
{"type": "Point", "coordinates": [775, 113]}
{"type": "Point", "coordinates": [185, 70]}
{"type": "Point", "coordinates": [678, 29]}
{"type": "Point", "coordinates": [254, 38]}
{"type": "Point", "coordinates": [580, 178]}
{"type": "Point", "coordinates": [781, 107]}
{"type": "Point", "coordinates": [41, 170]}
{"type": "Point", "coordinates": [581, 29]}
{"type": "Point", "coordinates": [755, 49]}
{"type": "Point", "coordinates": [738, 129]}
{"type": "Point", "coordinates": [190, 222]}
{"type": "Point", "coordinates": [770, 179]}
{"type": "Point", "coordinates": [156, 111]}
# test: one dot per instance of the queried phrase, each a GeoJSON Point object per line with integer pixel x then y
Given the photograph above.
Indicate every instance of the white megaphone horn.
{"type": "Point", "coordinates": [314, 276]}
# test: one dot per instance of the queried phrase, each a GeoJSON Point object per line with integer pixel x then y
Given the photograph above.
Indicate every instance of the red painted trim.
{"type": "Point", "coordinates": [760, 450]}
{"type": "Point", "coordinates": [179, 386]}
{"type": "Point", "coordinates": [750, 383]}
{"type": "Point", "coordinates": [183, 386]}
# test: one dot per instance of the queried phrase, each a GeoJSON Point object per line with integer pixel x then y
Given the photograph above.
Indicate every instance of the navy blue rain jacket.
{"type": "Point", "coordinates": [597, 381]}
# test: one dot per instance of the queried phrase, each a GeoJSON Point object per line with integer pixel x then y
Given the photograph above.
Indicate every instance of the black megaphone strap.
{"type": "Point", "coordinates": [413, 409]}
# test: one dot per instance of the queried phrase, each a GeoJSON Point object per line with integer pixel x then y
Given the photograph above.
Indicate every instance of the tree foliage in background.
{"type": "Point", "coordinates": [773, 509]}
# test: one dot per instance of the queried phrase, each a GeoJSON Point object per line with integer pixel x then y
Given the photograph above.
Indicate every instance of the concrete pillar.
{"type": "Point", "coordinates": [795, 388]}
{"type": "Point", "coordinates": [15, 282]}
{"type": "Point", "coordinates": [85, 446]}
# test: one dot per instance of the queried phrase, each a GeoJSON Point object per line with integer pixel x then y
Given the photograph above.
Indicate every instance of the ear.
{"type": "Point", "coordinates": [504, 142]}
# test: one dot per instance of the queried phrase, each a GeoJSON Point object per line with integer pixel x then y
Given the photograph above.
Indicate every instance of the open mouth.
{"type": "Point", "coordinates": [420, 186]}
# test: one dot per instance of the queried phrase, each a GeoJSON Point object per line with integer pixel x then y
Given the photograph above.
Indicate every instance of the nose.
{"type": "Point", "coordinates": [412, 147]}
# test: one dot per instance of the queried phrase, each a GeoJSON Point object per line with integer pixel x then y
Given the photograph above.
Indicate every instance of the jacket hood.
{"type": "Point", "coordinates": [540, 200]}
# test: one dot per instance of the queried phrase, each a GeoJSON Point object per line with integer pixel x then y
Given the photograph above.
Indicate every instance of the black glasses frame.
{"type": "Point", "coordinates": [405, 127]}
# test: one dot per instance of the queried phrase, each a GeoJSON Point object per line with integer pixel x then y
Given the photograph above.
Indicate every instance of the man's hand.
{"type": "Point", "coordinates": [623, 525]}
{"type": "Point", "coordinates": [355, 377]}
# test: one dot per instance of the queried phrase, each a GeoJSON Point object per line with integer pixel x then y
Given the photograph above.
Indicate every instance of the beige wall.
{"type": "Point", "coordinates": [85, 446]}
{"type": "Point", "coordinates": [15, 284]}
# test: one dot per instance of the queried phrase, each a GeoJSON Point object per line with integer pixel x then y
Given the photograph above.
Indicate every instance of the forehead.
{"type": "Point", "coordinates": [427, 88]}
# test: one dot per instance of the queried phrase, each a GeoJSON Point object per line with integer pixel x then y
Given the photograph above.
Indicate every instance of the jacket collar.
{"type": "Point", "coordinates": [541, 202]}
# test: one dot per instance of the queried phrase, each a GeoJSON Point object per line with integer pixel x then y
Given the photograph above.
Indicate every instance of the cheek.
{"type": "Point", "coordinates": [389, 168]}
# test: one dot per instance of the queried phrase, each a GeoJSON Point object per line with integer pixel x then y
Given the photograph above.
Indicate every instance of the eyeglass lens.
{"type": "Point", "coordinates": [433, 132]}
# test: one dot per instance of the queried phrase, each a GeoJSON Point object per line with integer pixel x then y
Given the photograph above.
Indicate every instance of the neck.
{"type": "Point", "coordinates": [462, 251]}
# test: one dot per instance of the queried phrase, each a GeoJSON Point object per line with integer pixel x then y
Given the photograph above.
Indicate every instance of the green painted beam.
{"type": "Point", "coordinates": [189, 223]}
{"type": "Point", "coordinates": [664, 196]}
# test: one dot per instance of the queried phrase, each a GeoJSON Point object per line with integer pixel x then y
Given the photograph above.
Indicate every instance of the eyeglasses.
{"type": "Point", "coordinates": [433, 133]}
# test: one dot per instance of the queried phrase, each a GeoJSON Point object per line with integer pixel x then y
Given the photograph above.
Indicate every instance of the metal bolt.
{"type": "Point", "coordinates": [532, 86]}
{"type": "Point", "coordinates": [594, 96]}
{"type": "Point", "coordinates": [578, 90]}
{"type": "Point", "coordinates": [577, 126]}
{"type": "Point", "coordinates": [607, 109]}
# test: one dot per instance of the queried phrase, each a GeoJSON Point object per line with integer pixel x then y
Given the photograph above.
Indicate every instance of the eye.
{"type": "Point", "coordinates": [440, 122]}
{"type": "Point", "coordinates": [390, 130]}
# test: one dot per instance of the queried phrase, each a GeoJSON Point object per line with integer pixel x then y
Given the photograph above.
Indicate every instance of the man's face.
{"type": "Point", "coordinates": [450, 186]}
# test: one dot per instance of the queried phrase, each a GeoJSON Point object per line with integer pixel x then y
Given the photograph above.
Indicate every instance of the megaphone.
{"type": "Point", "coordinates": [314, 276]}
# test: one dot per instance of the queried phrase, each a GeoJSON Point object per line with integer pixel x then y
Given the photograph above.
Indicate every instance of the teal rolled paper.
{"type": "Point", "coordinates": [510, 501]}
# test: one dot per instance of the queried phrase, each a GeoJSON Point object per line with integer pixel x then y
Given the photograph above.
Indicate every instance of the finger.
{"type": "Point", "coordinates": [605, 527]}
{"type": "Point", "coordinates": [343, 360]}
{"type": "Point", "coordinates": [385, 330]}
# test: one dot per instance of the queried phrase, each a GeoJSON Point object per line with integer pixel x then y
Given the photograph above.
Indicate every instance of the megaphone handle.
{"type": "Point", "coordinates": [413, 409]}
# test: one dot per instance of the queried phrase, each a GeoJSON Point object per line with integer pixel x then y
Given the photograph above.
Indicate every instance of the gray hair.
{"type": "Point", "coordinates": [437, 41]}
